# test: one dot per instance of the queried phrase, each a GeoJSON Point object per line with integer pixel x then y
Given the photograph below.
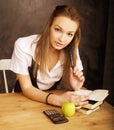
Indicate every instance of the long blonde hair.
{"type": "Point", "coordinates": [42, 47]}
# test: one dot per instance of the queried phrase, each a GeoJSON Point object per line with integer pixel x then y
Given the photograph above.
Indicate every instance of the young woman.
{"type": "Point", "coordinates": [42, 61]}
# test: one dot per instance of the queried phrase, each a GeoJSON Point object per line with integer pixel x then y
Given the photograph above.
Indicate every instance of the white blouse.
{"type": "Point", "coordinates": [22, 56]}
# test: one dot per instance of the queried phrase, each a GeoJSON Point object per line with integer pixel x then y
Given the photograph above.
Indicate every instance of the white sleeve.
{"type": "Point", "coordinates": [20, 60]}
{"type": "Point", "coordinates": [78, 61]}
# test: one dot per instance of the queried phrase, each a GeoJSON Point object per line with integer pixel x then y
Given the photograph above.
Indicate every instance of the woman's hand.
{"type": "Point", "coordinates": [76, 78]}
{"type": "Point", "coordinates": [71, 96]}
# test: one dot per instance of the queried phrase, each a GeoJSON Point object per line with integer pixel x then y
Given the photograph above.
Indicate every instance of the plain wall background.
{"type": "Point", "coordinates": [20, 18]}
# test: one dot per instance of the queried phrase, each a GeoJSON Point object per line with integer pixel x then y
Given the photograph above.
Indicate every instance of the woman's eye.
{"type": "Point", "coordinates": [57, 29]}
{"type": "Point", "coordinates": [70, 34]}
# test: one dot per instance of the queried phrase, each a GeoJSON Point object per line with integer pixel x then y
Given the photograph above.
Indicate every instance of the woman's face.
{"type": "Point", "coordinates": [62, 32]}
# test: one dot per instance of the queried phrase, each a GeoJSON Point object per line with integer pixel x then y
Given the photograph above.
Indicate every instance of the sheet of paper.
{"type": "Point", "coordinates": [97, 95]}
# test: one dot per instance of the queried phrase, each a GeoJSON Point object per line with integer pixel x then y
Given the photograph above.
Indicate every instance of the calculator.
{"type": "Point", "coordinates": [55, 116]}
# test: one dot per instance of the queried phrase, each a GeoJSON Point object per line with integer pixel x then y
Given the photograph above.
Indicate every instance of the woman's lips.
{"type": "Point", "coordinates": [59, 44]}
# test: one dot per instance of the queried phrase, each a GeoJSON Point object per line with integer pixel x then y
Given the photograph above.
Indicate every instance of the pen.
{"type": "Point", "coordinates": [71, 59]}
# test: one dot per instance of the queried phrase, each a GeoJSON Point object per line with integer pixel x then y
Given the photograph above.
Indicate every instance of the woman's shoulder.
{"type": "Point", "coordinates": [25, 43]}
{"type": "Point", "coordinates": [26, 40]}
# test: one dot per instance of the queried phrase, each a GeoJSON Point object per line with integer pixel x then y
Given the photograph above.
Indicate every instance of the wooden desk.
{"type": "Point", "coordinates": [20, 113]}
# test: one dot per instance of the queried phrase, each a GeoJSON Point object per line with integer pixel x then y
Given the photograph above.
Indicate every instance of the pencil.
{"type": "Point", "coordinates": [71, 59]}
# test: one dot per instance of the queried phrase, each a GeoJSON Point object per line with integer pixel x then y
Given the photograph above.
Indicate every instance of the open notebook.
{"type": "Point", "coordinates": [96, 98]}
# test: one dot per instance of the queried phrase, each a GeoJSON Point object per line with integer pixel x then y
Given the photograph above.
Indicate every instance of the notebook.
{"type": "Point", "coordinates": [96, 97]}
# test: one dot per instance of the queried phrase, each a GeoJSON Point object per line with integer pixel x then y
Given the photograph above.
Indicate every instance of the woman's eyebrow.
{"type": "Point", "coordinates": [63, 29]}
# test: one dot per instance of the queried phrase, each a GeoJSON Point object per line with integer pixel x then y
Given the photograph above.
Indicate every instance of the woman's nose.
{"type": "Point", "coordinates": [62, 37]}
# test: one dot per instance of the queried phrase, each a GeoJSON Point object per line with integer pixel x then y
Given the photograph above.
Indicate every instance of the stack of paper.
{"type": "Point", "coordinates": [96, 98]}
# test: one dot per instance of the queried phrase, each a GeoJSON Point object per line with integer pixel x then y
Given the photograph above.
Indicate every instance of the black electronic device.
{"type": "Point", "coordinates": [55, 116]}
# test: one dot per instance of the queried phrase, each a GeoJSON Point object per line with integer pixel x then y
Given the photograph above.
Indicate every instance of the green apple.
{"type": "Point", "coordinates": [68, 109]}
